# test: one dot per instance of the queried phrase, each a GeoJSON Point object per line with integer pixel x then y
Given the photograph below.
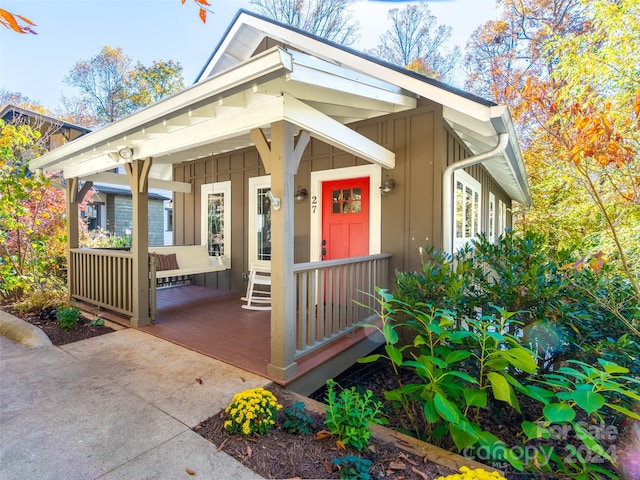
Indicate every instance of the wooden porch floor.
{"type": "Point", "coordinates": [213, 322]}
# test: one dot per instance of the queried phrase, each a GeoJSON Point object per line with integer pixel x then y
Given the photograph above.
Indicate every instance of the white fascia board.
{"type": "Point", "coordinates": [255, 115]}
{"type": "Point", "coordinates": [272, 62]}
{"type": "Point", "coordinates": [334, 133]}
{"type": "Point", "coordinates": [250, 25]}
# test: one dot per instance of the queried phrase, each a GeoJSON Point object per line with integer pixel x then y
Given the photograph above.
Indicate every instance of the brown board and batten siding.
{"type": "Point", "coordinates": [411, 214]}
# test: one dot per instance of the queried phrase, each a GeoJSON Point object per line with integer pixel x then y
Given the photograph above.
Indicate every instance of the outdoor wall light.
{"type": "Point", "coordinates": [301, 194]}
{"type": "Point", "coordinates": [275, 201]}
{"type": "Point", "coordinates": [387, 186]}
{"type": "Point", "coordinates": [126, 153]}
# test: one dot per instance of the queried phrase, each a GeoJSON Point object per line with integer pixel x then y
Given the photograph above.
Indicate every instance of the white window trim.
{"type": "Point", "coordinates": [254, 184]}
{"type": "Point", "coordinates": [491, 215]}
{"type": "Point", "coordinates": [502, 217]}
{"type": "Point", "coordinates": [467, 181]}
{"type": "Point", "coordinates": [224, 188]}
{"type": "Point", "coordinates": [374, 172]}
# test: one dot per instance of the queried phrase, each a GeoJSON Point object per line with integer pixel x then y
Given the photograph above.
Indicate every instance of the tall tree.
{"type": "Point", "coordinates": [330, 19]}
{"type": "Point", "coordinates": [110, 88]}
{"type": "Point", "coordinates": [588, 115]}
{"type": "Point", "coordinates": [502, 54]}
{"type": "Point", "coordinates": [414, 39]}
{"type": "Point", "coordinates": [147, 85]}
{"type": "Point", "coordinates": [102, 83]}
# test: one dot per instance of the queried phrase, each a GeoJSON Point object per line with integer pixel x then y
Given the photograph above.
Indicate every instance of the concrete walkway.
{"type": "Point", "coordinates": [117, 406]}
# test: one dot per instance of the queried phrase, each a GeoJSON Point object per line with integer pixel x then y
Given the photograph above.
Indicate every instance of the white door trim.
{"type": "Point", "coordinates": [374, 172]}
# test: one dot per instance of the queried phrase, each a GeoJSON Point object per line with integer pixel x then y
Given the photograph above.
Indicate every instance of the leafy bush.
{"type": "Point", "coordinates": [297, 420]}
{"type": "Point", "coordinates": [349, 415]}
{"type": "Point", "coordinates": [353, 468]}
{"type": "Point", "coordinates": [460, 371]}
{"type": "Point", "coordinates": [48, 295]}
{"type": "Point", "coordinates": [563, 306]}
{"type": "Point", "coordinates": [32, 233]}
{"type": "Point", "coordinates": [68, 316]}
{"type": "Point", "coordinates": [252, 411]}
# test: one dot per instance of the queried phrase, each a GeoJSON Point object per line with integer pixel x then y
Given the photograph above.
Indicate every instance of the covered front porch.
{"type": "Point", "coordinates": [332, 298]}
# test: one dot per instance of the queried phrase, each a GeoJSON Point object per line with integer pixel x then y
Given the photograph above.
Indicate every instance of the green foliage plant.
{"type": "Point", "coordinates": [32, 232]}
{"type": "Point", "coordinates": [457, 368]}
{"type": "Point", "coordinates": [252, 412]}
{"type": "Point", "coordinates": [579, 390]}
{"type": "Point", "coordinates": [350, 414]}
{"type": "Point", "coordinates": [297, 420]}
{"type": "Point", "coordinates": [352, 467]}
{"type": "Point", "coordinates": [68, 316]}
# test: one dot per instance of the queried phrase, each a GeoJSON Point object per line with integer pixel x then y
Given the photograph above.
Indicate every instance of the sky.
{"type": "Point", "coordinates": [153, 30]}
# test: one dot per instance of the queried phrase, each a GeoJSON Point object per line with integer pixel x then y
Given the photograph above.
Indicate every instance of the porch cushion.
{"type": "Point", "coordinates": [166, 262]}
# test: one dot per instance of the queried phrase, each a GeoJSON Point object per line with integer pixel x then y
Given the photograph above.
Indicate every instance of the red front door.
{"type": "Point", "coordinates": [345, 218]}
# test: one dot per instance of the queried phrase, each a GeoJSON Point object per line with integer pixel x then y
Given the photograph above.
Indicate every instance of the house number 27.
{"type": "Point", "coordinates": [314, 203]}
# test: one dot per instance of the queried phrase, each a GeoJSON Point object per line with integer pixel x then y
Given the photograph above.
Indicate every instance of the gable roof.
{"type": "Point", "coordinates": [315, 84]}
{"type": "Point", "coordinates": [12, 113]}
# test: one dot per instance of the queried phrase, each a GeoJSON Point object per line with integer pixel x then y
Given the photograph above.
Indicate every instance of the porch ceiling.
{"type": "Point", "coordinates": [216, 116]}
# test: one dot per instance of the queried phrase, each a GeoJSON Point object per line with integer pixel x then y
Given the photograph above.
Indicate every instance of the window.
{"type": "Point", "coordinates": [502, 217]}
{"type": "Point", "coordinates": [93, 216]}
{"type": "Point", "coordinates": [259, 220]}
{"type": "Point", "coordinates": [216, 220]}
{"type": "Point", "coordinates": [491, 227]}
{"type": "Point", "coordinates": [169, 219]}
{"type": "Point", "coordinates": [467, 209]}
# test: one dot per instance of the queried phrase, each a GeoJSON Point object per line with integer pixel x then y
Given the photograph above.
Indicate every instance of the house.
{"type": "Point", "coordinates": [108, 208]}
{"type": "Point", "coordinates": [322, 163]}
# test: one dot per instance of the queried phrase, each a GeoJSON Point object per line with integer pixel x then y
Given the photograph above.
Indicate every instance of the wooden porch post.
{"type": "Point", "coordinates": [283, 165]}
{"type": "Point", "coordinates": [73, 197]}
{"type": "Point", "coordinates": [138, 176]}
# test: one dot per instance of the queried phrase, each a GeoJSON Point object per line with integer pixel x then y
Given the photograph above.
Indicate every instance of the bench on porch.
{"type": "Point", "coordinates": [184, 260]}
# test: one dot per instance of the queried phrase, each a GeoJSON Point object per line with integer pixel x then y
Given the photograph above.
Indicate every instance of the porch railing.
{"type": "Point", "coordinates": [333, 296]}
{"type": "Point", "coordinates": [103, 278]}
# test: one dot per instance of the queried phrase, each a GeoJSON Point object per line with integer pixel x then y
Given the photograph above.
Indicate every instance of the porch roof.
{"type": "Point", "coordinates": [217, 115]}
{"type": "Point", "coordinates": [238, 92]}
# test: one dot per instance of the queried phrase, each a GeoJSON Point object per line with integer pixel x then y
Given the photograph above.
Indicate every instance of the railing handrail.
{"type": "Point", "coordinates": [102, 252]}
{"type": "Point", "coordinates": [307, 266]}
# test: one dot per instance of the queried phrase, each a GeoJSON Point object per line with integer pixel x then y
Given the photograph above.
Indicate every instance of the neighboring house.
{"type": "Point", "coordinates": [53, 132]}
{"type": "Point", "coordinates": [390, 161]}
{"type": "Point", "coordinates": [108, 208]}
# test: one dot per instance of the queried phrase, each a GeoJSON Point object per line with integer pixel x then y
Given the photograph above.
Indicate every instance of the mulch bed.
{"type": "Point", "coordinates": [46, 321]}
{"type": "Point", "coordinates": [280, 455]}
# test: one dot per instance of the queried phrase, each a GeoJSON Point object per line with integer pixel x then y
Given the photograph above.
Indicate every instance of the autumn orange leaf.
{"type": "Point", "coordinates": [203, 2]}
{"type": "Point", "coordinates": [322, 434]}
{"type": "Point", "coordinates": [8, 20]}
{"type": "Point", "coordinates": [203, 15]}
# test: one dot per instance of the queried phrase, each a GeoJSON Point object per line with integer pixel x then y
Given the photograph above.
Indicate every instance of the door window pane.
{"type": "Point", "coordinates": [263, 225]}
{"type": "Point", "coordinates": [215, 222]}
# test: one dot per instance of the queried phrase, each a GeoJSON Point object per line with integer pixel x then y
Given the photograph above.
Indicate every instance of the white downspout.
{"type": "Point", "coordinates": [447, 188]}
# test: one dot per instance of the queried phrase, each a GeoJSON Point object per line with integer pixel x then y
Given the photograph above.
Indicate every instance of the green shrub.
{"type": "Point", "coordinates": [297, 420]}
{"type": "Point", "coordinates": [68, 316]}
{"type": "Point", "coordinates": [349, 415]}
{"type": "Point", "coordinates": [353, 468]}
